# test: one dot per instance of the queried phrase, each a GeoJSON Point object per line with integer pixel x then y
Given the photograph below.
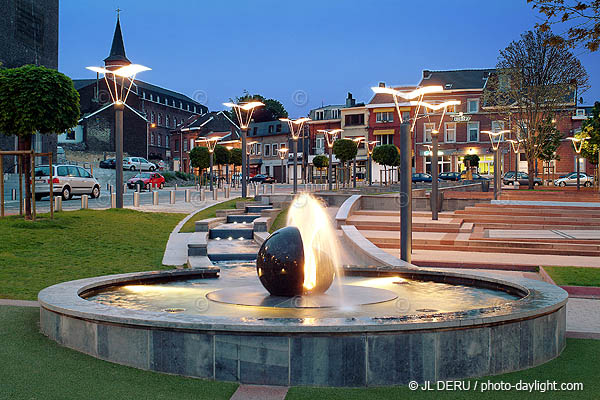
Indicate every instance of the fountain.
{"type": "Point", "coordinates": [297, 317]}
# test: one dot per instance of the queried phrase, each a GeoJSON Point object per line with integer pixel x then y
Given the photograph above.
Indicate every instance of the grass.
{"type": "Point", "coordinates": [577, 363]}
{"type": "Point", "coordinates": [280, 220]}
{"type": "Point", "coordinates": [79, 244]}
{"type": "Point", "coordinates": [574, 276]}
{"type": "Point", "coordinates": [41, 369]}
{"type": "Point", "coordinates": [210, 212]}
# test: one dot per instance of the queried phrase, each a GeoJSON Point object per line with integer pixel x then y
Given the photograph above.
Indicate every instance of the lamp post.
{"type": "Point", "coordinates": [406, 162]}
{"type": "Point", "coordinates": [119, 80]}
{"type": "Point", "coordinates": [330, 138]}
{"type": "Point", "coordinates": [578, 145]}
{"type": "Point", "coordinates": [229, 148]}
{"type": "Point", "coordinates": [496, 139]}
{"type": "Point", "coordinates": [248, 152]}
{"type": "Point", "coordinates": [370, 147]}
{"type": "Point", "coordinates": [357, 140]}
{"type": "Point", "coordinates": [283, 155]}
{"type": "Point", "coordinates": [515, 145]}
{"type": "Point", "coordinates": [211, 143]}
{"type": "Point", "coordinates": [244, 116]}
{"type": "Point", "coordinates": [296, 126]}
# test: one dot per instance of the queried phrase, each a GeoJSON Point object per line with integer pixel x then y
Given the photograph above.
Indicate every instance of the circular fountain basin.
{"type": "Point", "coordinates": [376, 326]}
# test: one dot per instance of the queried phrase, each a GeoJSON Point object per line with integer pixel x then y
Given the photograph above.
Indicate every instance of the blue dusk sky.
{"type": "Point", "coordinates": [303, 53]}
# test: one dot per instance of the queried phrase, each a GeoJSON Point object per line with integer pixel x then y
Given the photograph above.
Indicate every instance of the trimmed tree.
{"type": "Point", "coordinates": [471, 160]}
{"type": "Point", "coordinates": [222, 157]}
{"type": "Point", "coordinates": [236, 158]}
{"type": "Point", "coordinates": [386, 155]}
{"type": "Point", "coordinates": [345, 150]}
{"type": "Point", "coordinates": [321, 162]}
{"type": "Point", "coordinates": [200, 158]}
{"type": "Point", "coordinates": [35, 100]}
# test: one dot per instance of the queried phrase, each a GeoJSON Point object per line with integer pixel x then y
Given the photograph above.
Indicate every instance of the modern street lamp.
{"type": "Point", "coordinates": [211, 143]}
{"type": "Point", "coordinates": [119, 80]}
{"type": "Point", "coordinates": [357, 140]}
{"type": "Point", "coordinates": [244, 116]}
{"type": "Point", "coordinates": [330, 138]}
{"type": "Point", "coordinates": [283, 155]}
{"type": "Point", "coordinates": [515, 145]}
{"type": "Point", "coordinates": [370, 147]}
{"type": "Point", "coordinates": [406, 161]}
{"type": "Point", "coordinates": [248, 152]}
{"type": "Point", "coordinates": [227, 167]}
{"type": "Point", "coordinates": [296, 126]}
{"type": "Point", "coordinates": [578, 145]}
{"type": "Point", "coordinates": [496, 139]}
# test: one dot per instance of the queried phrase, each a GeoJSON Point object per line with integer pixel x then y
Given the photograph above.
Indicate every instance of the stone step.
{"type": "Point", "coordinates": [235, 249]}
{"type": "Point", "coordinates": [256, 209]}
{"type": "Point", "coordinates": [242, 218]}
{"type": "Point", "coordinates": [233, 230]}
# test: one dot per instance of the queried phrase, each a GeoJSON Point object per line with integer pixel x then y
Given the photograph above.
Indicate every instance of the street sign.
{"type": "Point", "coordinates": [461, 118]}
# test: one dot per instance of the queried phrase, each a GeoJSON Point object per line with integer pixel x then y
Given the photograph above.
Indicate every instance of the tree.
{"type": "Point", "coordinates": [272, 111]}
{"type": "Point", "coordinates": [236, 158]}
{"type": "Point", "coordinates": [222, 156]}
{"type": "Point", "coordinates": [591, 128]}
{"type": "Point", "coordinates": [387, 155]}
{"type": "Point", "coordinates": [471, 160]}
{"type": "Point", "coordinates": [582, 17]}
{"type": "Point", "coordinates": [200, 157]}
{"type": "Point", "coordinates": [533, 84]}
{"type": "Point", "coordinates": [345, 150]}
{"type": "Point", "coordinates": [320, 162]}
{"type": "Point", "coordinates": [35, 100]}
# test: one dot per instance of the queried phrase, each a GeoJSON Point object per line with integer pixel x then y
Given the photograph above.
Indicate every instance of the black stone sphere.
{"type": "Point", "coordinates": [280, 265]}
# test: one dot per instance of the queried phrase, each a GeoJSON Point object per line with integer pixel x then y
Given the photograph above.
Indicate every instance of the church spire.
{"type": "Point", "coordinates": [117, 51]}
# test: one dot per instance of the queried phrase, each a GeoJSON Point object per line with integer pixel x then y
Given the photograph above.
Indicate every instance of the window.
{"type": "Point", "coordinates": [167, 141]}
{"type": "Point", "coordinates": [451, 109]}
{"type": "Point", "coordinates": [319, 115]}
{"type": "Point", "coordinates": [152, 138]}
{"type": "Point", "coordinates": [254, 131]}
{"type": "Point", "coordinates": [70, 134]}
{"type": "Point", "coordinates": [73, 171]}
{"type": "Point", "coordinates": [473, 106]}
{"type": "Point", "coordinates": [267, 150]}
{"type": "Point", "coordinates": [274, 149]}
{"type": "Point", "coordinates": [195, 109]}
{"type": "Point", "coordinates": [83, 173]}
{"type": "Point", "coordinates": [355, 119]}
{"type": "Point", "coordinates": [278, 128]}
{"type": "Point", "coordinates": [62, 171]}
{"type": "Point", "coordinates": [158, 99]}
{"type": "Point", "coordinates": [382, 117]}
{"type": "Point", "coordinates": [185, 145]}
{"type": "Point", "coordinates": [152, 117]}
{"type": "Point", "coordinates": [151, 97]}
{"type": "Point", "coordinates": [181, 105]}
{"type": "Point", "coordinates": [320, 143]}
{"type": "Point", "coordinates": [450, 132]}
{"type": "Point", "coordinates": [159, 119]}
{"type": "Point", "coordinates": [174, 122]}
{"type": "Point", "coordinates": [384, 139]}
{"type": "Point", "coordinates": [405, 116]}
{"type": "Point", "coordinates": [271, 128]}
{"type": "Point", "coordinates": [168, 121]}
{"type": "Point", "coordinates": [498, 126]}
{"type": "Point", "coordinates": [427, 129]}
{"type": "Point", "coordinates": [335, 113]}
{"type": "Point", "coordinates": [167, 102]}
{"type": "Point", "coordinates": [159, 138]}
{"type": "Point", "coordinates": [580, 112]}
{"type": "Point", "coordinates": [473, 131]}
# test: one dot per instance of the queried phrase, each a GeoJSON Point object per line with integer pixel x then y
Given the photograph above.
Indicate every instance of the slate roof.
{"type": "Point", "coordinates": [214, 121]}
{"type": "Point", "coordinates": [457, 79]}
{"type": "Point", "coordinates": [383, 98]}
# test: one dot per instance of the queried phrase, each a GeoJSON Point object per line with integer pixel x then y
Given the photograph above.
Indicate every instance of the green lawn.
{"type": "Point", "coordinates": [79, 244]}
{"type": "Point", "coordinates": [34, 367]}
{"type": "Point", "coordinates": [578, 363]}
{"type": "Point", "coordinates": [280, 220]}
{"type": "Point", "coordinates": [210, 212]}
{"type": "Point", "coordinates": [574, 276]}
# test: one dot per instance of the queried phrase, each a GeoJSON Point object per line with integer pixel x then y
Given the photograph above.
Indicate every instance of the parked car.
{"type": "Point", "coordinates": [476, 176]}
{"type": "Point", "coordinates": [450, 176]}
{"type": "Point", "coordinates": [571, 180]}
{"type": "Point", "coordinates": [147, 180]}
{"type": "Point", "coordinates": [138, 163]}
{"type": "Point", "coordinates": [421, 177]}
{"type": "Point", "coordinates": [109, 163]}
{"type": "Point", "coordinates": [67, 180]}
{"type": "Point", "coordinates": [261, 178]}
{"type": "Point", "coordinates": [522, 178]}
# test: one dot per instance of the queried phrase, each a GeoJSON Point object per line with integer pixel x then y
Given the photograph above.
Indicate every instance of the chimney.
{"type": "Point", "coordinates": [426, 74]}
{"type": "Point", "coordinates": [381, 84]}
{"type": "Point", "coordinates": [350, 102]}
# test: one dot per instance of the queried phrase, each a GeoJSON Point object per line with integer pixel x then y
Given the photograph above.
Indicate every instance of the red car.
{"type": "Point", "coordinates": [147, 180]}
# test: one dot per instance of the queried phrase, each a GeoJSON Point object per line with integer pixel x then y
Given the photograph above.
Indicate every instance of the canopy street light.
{"type": "Point", "coordinates": [244, 113]}
{"type": "Point", "coordinates": [358, 141]}
{"type": "Point", "coordinates": [211, 143]}
{"type": "Point", "coordinates": [330, 138]}
{"type": "Point", "coordinates": [283, 155]}
{"type": "Point", "coordinates": [119, 80]}
{"type": "Point", "coordinates": [248, 152]}
{"type": "Point", "coordinates": [578, 145]}
{"type": "Point", "coordinates": [227, 166]}
{"type": "Point", "coordinates": [515, 146]}
{"type": "Point", "coordinates": [495, 140]}
{"type": "Point", "coordinates": [296, 126]}
{"type": "Point", "coordinates": [370, 148]}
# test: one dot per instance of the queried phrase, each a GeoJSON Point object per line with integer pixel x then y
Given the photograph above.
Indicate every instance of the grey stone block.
{"type": "Point", "coordinates": [124, 345]}
{"type": "Point", "coordinates": [526, 346]}
{"type": "Point", "coordinates": [182, 353]}
{"type": "Point", "coordinates": [264, 360]}
{"type": "Point", "coordinates": [462, 353]}
{"type": "Point", "coordinates": [227, 356]}
{"type": "Point", "coordinates": [78, 334]}
{"type": "Point", "coordinates": [505, 347]}
{"type": "Point", "coordinates": [328, 361]}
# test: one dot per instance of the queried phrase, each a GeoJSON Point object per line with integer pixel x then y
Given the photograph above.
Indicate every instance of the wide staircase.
{"type": "Point", "coordinates": [491, 228]}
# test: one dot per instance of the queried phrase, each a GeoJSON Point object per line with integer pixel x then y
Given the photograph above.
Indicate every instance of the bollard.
{"type": "Point", "coordinates": [172, 200]}
{"type": "Point", "coordinates": [124, 188]}
{"type": "Point", "coordinates": [84, 201]}
{"type": "Point", "coordinates": [138, 187]}
{"type": "Point", "coordinates": [155, 198]}
{"type": "Point", "coordinates": [136, 199]}
{"type": "Point", "coordinates": [255, 190]}
{"type": "Point", "coordinates": [58, 203]}
{"type": "Point", "coordinates": [175, 186]}
{"type": "Point", "coordinates": [113, 200]}
{"type": "Point", "coordinates": [197, 188]}
{"type": "Point", "coordinates": [312, 187]}
{"type": "Point", "coordinates": [188, 195]}
{"type": "Point", "coordinates": [264, 188]}
{"type": "Point", "coordinates": [13, 194]}
{"type": "Point", "coordinates": [306, 187]}
{"type": "Point", "coordinates": [202, 194]}
{"type": "Point", "coordinates": [227, 191]}
{"type": "Point", "coordinates": [215, 193]}
{"type": "Point", "coordinates": [111, 189]}
{"type": "Point", "coordinates": [271, 188]}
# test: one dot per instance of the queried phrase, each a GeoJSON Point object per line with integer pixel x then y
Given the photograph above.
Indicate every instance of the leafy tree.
{"type": "Point", "coordinates": [222, 156]}
{"type": "Point", "coordinates": [532, 84]}
{"type": "Point", "coordinates": [236, 156]}
{"type": "Point", "coordinates": [582, 17]}
{"type": "Point", "coordinates": [321, 162]}
{"type": "Point", "coordinates": [345, 150]}
{"type": "Point", "coordinates": [387, 155]}
{"type": "Point", "coordinates": [591, 128]}
{"type": "Point", "coordinates": [200, 157]}
{"type": "Point", "coordinates": [35, 100]}
{"type": "Point", "coordinates": [272, 111]}
{"type": "Point", "coordinates": [551, 142]}
{"type": "Point", "coordinates": [471, 160]}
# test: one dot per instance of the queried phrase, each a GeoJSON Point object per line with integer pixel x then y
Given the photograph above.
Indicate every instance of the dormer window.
{"type": "Point", "coordinates": [448, 86]}
{"type": "Point", "coordinates": [580, 112]}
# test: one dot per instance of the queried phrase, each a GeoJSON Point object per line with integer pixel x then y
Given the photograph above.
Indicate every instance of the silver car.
{"type": "Point", "coordinates": [571, 180]}
{"type": "Point", "coordinates": [138, 163]}
{"type": "Point", "coordinates": [67, 180]}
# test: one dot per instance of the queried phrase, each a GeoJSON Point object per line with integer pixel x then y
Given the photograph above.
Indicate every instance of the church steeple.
{"type": "Point", "coordinates": [117, 51]}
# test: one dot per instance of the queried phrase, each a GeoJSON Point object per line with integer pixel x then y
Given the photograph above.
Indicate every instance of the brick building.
{"type": "Point", "coordinates": [264, 155]}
